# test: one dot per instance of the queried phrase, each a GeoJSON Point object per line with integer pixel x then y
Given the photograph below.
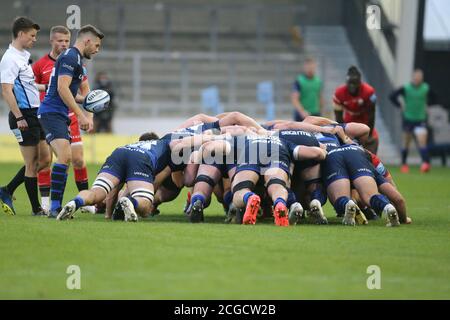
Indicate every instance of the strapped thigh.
{"type": "Point", "coordinates": [103, 183]}
{"type": "Point", "coordinates": [243, 185]}
{"type": "Point", "coordinates": [276, 181]}
{"type": "Point", "coordinates": [206, 179]}
{"type": "Point", "coordinates": [143, 193]}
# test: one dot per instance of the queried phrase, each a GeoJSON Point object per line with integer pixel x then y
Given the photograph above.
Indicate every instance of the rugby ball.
{"type": "Point", "coordinates": [96, 101]}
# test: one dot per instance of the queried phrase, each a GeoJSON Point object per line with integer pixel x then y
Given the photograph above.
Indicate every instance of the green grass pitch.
{"type": "Point", "coordinates": [166, 257]}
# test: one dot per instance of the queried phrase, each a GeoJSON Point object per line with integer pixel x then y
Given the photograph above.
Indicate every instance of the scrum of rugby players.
{"type": "Point", "coordinates": [281, 169]}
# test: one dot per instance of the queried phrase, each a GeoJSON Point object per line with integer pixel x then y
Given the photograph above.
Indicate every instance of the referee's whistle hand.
{"type": "Point", "coordinates": [22, 125]}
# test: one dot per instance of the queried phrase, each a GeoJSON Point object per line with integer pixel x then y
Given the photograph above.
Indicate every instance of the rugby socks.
{"type": "Point", "coordinates": [79, 202]}
{"type": "Point", "coordinates": [404, 155]}
{"type": "Point", "coordinates": [133, 201]}
{"type": "Point", "coordinates": [319, 195]}
{"type": "Point", "coordinates": [378, 202]}
{"type": "Point", "coordinates": [32, 191]}
{"type": "Point", "coordinates": [197, 197]}
{"type": "Point", "coordinates": [278, 200]}
{"type": "Point", "coordinates": [291, 199]}
{"type": "Point", "coordinates": [16, 181]}
{"type": "Point", "coordinates": [424, 155]}
{"type": "Point", "coordinates": [81, 178]}
{"type": "Point", "coordinates": [227, 200]}
{"type": "Point", "coordinates": [44, 178]}
{"type": "Point", "coordinates": [58, 184]}
{"type": "Point", "coordinates": [339, 205]}
{"type": "Point", "coordinates": [247, 195]}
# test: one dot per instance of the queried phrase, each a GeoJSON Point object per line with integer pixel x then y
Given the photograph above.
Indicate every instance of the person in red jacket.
{"type": "Point", "coordinates": [355, 102]}
{"type": "Point", "coordinates": [60, 40]}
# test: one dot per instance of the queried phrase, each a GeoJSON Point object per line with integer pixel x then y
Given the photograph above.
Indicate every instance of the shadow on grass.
{"type": "Point", "coordinates": [220, 219]}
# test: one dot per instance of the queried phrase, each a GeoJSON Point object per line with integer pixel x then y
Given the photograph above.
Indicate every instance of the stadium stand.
{"type": "Point", "coordinates": [162, 54]}
{"type": "Point", "coordinates": [180, 49]}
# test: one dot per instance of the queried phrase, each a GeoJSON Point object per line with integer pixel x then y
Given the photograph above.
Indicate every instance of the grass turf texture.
{"type": "Point", "coordinates": [166, 257]}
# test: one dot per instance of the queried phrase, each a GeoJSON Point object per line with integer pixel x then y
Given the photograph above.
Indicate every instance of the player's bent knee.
{"type": "Point", "coordinates": [44, 161]}
{"type": "Point", "coordinates": [78, 163]}
{"type": "Point", "coordinates": [64, 159]}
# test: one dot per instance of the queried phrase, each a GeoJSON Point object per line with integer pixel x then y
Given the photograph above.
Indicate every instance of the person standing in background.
{"type": "Point", "coordinates": [355, 101]}
{"type": "Point", "coordinates": [307, 92]}
{"type": "Point", "coordinates": [416, 95]}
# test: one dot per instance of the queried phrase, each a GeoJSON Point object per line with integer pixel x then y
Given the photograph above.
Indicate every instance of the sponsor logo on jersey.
{"type": "Point", "coordinates": [65, 65]}
{"type": "Point", "coordinates": [138, 173]}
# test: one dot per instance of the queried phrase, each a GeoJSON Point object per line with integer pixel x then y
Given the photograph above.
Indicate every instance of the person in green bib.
{"type": "Point", "coordinates": [416, 96]}
{"type": "Point", "coordinates": [307, 92]}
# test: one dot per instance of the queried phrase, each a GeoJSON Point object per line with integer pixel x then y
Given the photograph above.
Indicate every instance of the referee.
{"type": "Point", "coordinates": [22, 97]}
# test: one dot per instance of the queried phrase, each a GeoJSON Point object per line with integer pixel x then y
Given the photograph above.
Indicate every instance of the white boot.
{"type": "Point", "coordinates": [88, 209]}
{"type": "Point", "coordinates": [45, 203]}
{"type": "Point", "coordinates": [391, 216]}
{"type": "Point", "coordinates": [316, 211]}
{"type": "Point", "coordinates": [128, 209]}
{"type": "Point", "coordinates": [350, 212]}
{"type": "Point", "coordinates": [67, 211]}
{"type": "Point", "coordinates": [295, 212]}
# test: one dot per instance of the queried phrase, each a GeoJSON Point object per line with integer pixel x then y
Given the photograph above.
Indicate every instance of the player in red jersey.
{"type": "Point", "coordinates": [60, 40]}
{"type": "Point", "coordinates": [355, 102]}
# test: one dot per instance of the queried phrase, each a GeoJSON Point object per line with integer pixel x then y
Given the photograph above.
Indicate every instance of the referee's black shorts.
{"type": "Point", "coordinates": [34, 134]}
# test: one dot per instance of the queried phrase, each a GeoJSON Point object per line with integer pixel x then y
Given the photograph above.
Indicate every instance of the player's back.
{"type": "Point", "coordinates": [331, 141]}
{"type": "Point", "coordinates": [199, 128]}
{"type": "Point", "coordinates": [157, 150]}
{"type": "Point", "coordinates": [265, 149]}
{"type": "Point", "coordinates": [299, 137]}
